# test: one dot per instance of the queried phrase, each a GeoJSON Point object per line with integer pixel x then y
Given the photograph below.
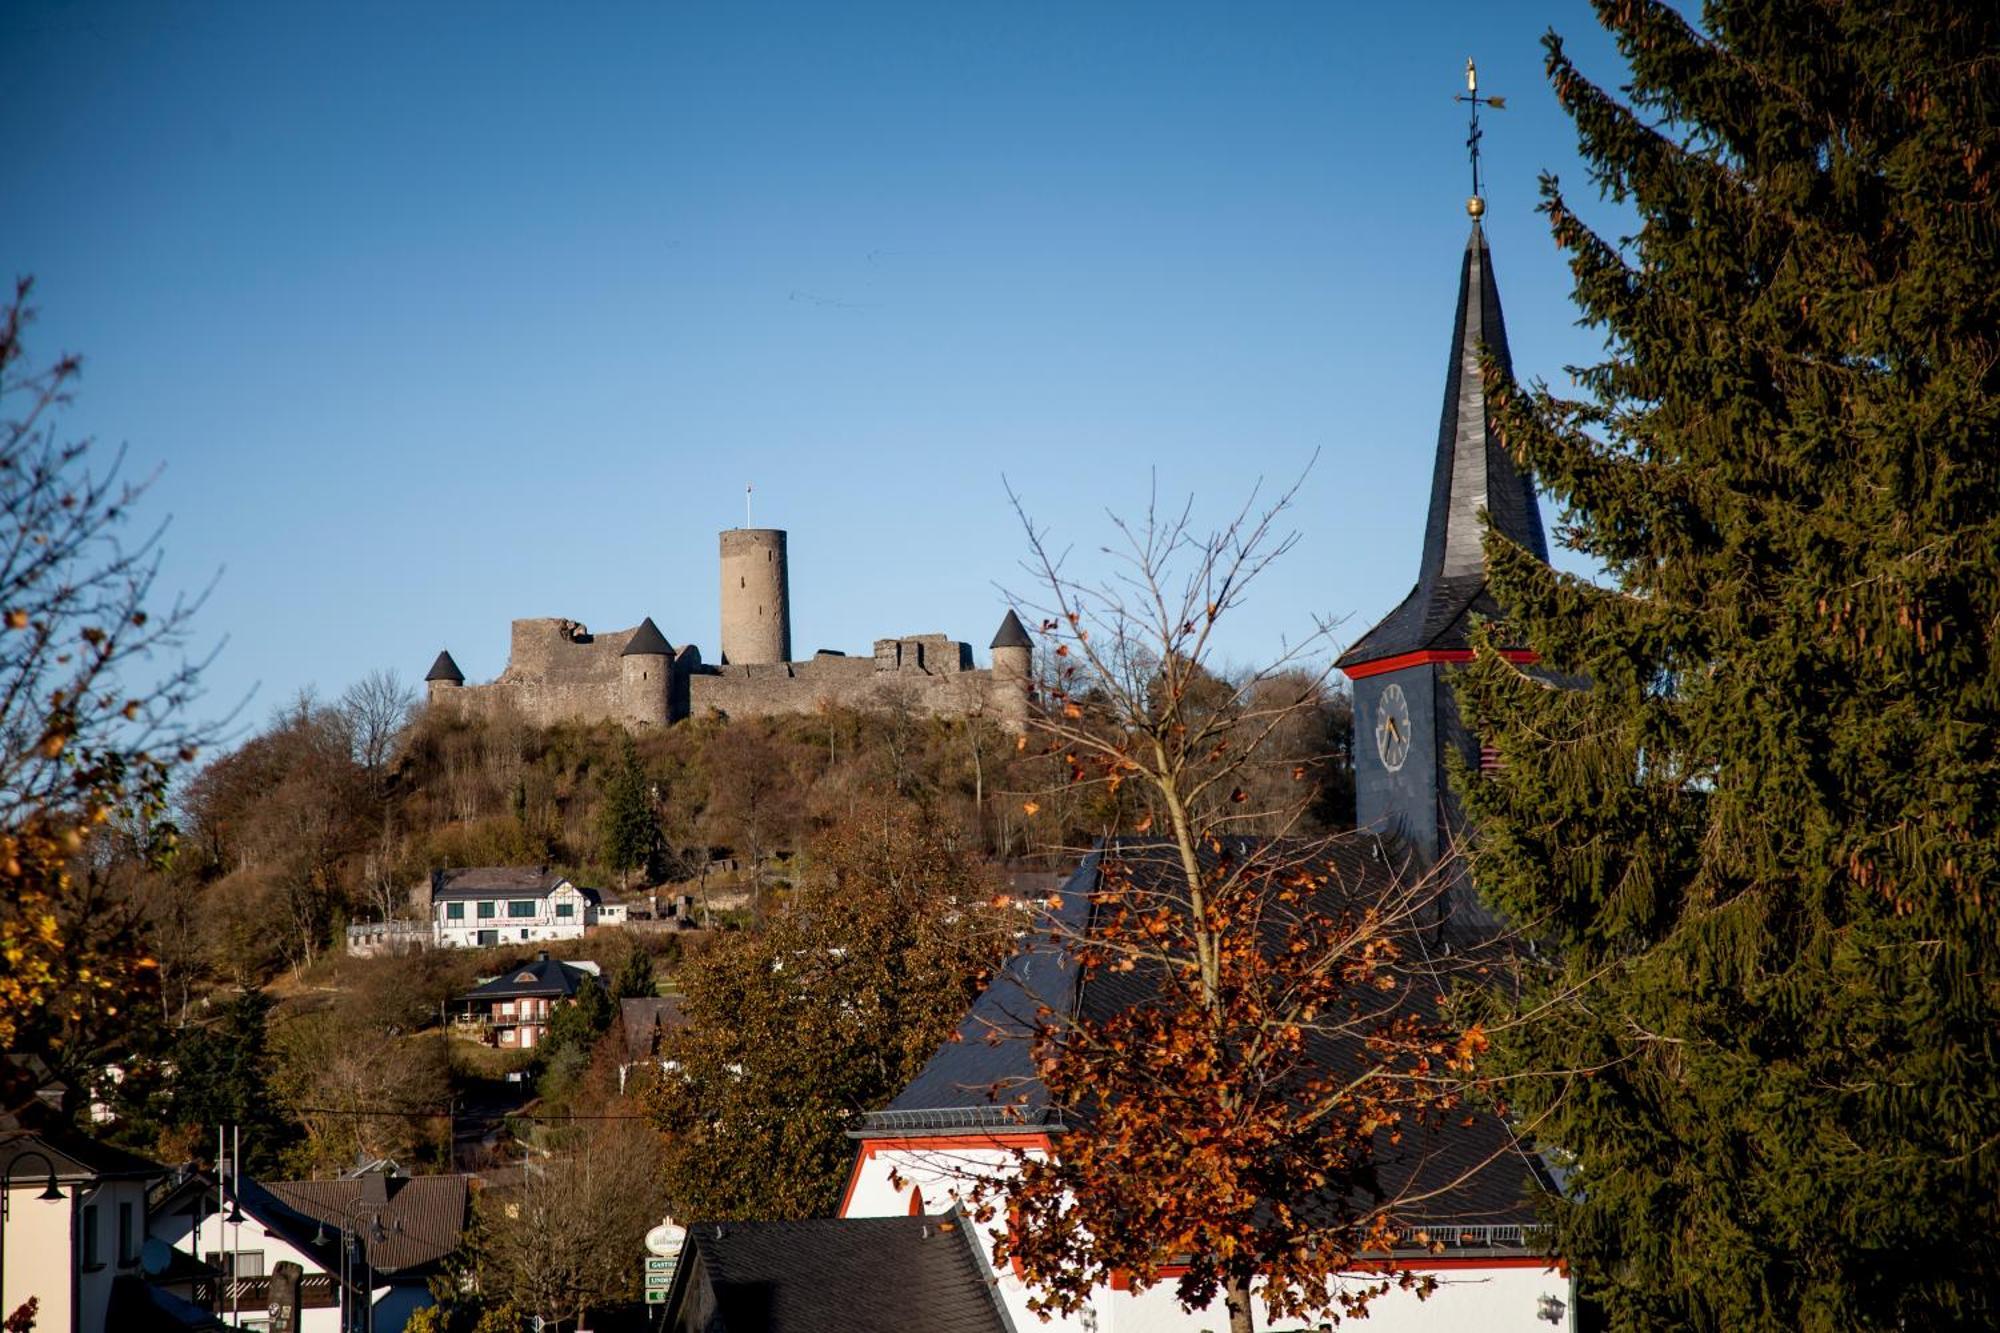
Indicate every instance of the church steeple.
{"type": "Point", "coordinates": [1405, 721]}
{"type": "Point", "coordinates": [1471, 472]}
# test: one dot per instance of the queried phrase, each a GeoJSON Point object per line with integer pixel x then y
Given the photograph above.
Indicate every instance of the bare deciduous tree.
{"type": "Point", "coordinates": [375, 710]}
{"type": "Point", "coordinates": [1280, 1032]}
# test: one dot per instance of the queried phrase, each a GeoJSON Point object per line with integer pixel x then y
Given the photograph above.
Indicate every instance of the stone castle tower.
{"type": "Point", "coordinates": [756, 598]}
{"type": "Point", "coordinates": [1013, 673]}
{"type": "Point", "coordinates": [559, 671]}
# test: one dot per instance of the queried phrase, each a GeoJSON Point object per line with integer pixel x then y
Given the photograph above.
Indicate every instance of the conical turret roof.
{"type": "Point", "coordinates": [1472, 471]}
{"type": "Point", "coordinates": [647, 641]}
{"type": "Point", "coordinates": [446, 669]}
{"type": "Point", "coordinates": [1012, 633]}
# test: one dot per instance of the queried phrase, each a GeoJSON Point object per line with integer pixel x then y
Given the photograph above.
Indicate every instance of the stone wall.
{"type": "Point", "coordinates": [850, 682]}
{"type": "Point", "coordinates": [557, 671]}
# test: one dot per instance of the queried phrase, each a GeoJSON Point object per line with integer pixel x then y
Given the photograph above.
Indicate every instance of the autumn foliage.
{"type": "Point", "coordinates": [1250, 1084]}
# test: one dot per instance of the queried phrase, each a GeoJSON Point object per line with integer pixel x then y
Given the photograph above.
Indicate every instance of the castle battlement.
{"type": "Point", "coordinates": [559, 671]}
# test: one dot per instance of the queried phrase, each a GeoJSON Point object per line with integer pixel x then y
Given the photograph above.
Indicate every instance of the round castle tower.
{"type": "Point", "coordinates": [646, 676]}
{"type": "Point", "coordinates": [1013, 673]}
{"type": "Point", "coordinates": [756, 597]}
{"type": "Point", "coordinates": [443, 679]}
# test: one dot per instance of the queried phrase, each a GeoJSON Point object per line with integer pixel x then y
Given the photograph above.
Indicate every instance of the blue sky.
{"type": "Point", "coordinates": [434, 315]}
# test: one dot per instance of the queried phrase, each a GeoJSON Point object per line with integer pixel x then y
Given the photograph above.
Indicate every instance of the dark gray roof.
{"type": "Point", "coordinates": [422, 1218]}
{"type": "Point", "coordinates": [493, 882]}
{"type": "Point", "coordinates": [1012, 633]}
{"type": "Point", "coordinates": [541, 976]}
{"type": "Point", "coordinates": [988, 1051]}
{"type": "Point", "coordinates": [446, 669]}
{"type": "Point", "coordinates": [840, 1275]}
{"type": "Point", "coordinates": [647, 641]}
{"type": "Point", "coordinates": [646, 1018]}
{"type": "Point", "coordinates": [73, 1157]}
{"type": "Point", "coordinates": [1473, 471]}
{"type": "Point", "coordinates": [991, 1050]}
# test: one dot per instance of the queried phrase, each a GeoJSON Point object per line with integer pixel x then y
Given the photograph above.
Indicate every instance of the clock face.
{"type": "Point", "coordinates": [1392, 727]}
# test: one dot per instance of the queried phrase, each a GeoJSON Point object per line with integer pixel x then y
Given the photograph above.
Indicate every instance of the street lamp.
{"type": "Point", "coordinates": [350, 1233]}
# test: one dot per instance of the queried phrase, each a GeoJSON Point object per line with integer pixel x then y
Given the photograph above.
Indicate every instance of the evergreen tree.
{"type": "Point", "coordinates": [628, 826]}
{"type": "Point", "coordinates": [635, 977]}
{"type": "Point", "coordinates": [222, 1077]}
{"type": "Point", "coordinates": [1761, 833]}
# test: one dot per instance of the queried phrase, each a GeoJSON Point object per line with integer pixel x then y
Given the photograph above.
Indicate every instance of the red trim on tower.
{"type": "Point", "coordinates": [1429, 655]}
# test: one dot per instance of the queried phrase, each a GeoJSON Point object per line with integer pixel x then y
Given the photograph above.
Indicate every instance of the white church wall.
{"type": "Point", "coordinates": [1502, 1295]}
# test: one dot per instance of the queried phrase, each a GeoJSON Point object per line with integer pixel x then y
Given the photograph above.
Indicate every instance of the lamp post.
{"type": "Point", "coordinates": [51, 1193]}
{"type": "Point", "coordinates": [350, 1233]}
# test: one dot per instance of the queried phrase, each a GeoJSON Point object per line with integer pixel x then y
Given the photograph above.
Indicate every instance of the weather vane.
{"type": "Point", "coordinates": [1476, 205]}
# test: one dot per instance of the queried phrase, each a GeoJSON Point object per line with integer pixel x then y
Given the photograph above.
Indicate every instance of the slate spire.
{"type": "Point", "coordinates": [1471, 472]}
{"type": "Point", "coordinates": [446, 669]}
{"type": "Point", "coordinates": [647, 641]}
{"type": "Point", "coordinates": [1012, 633]}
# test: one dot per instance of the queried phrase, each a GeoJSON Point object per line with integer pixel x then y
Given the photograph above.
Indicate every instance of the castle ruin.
{"type": "Point", "coordinates": [559, 671]}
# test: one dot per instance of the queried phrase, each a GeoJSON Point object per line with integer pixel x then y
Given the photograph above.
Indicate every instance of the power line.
{"type": "Point", "coordinates": [392, 1112]}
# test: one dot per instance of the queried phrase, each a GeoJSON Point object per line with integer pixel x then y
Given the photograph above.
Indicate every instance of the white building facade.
{"type": "Point", "coordinates": [484, 909]}
{"type": "Point", "coordinates": [1478, 1289]}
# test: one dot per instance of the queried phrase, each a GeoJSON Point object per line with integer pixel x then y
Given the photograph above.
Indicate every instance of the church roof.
{"type": "Point", "coordinates": [446, 669]}
{"type": "Point", "coordinates": [984, 1078]}
{"type": "Point", "coordinates": [647, 641]}
{"type": "Point", "coordinates": [1012, 634]}
{"type": "Point", "coordinates": [1473, 471]}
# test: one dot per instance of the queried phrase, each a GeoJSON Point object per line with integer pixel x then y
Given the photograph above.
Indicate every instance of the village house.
{"type": "Point", "coordinates": [72, 1222]}
{"type": "Point", "coordinates": [513, 1010]}
{"type": "Point", "coordinates": [488, 906]}
{"type": "Point", "coordinates": [361, 1249]}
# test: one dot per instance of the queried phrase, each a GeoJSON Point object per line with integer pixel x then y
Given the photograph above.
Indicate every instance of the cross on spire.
{"type": "Point", "coordinates": [1477, 203]}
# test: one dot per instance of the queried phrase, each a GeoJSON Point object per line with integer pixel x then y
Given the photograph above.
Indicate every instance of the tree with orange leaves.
{"type": "Point", "coordinates": [1259, 1075]}
{"type": "Point", "coordinates": [92, 692]}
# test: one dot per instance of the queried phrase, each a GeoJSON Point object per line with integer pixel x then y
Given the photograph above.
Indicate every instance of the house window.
{"type": "Point", "coordinates": [237, 1263]}
{"type": "Point", "coordinates": [487, 911]}
{"type": "Point", "coordinates": [564, 910]}
{"type": "Point", "coordinates": [454, 911]}
{"type": "Point", "coordinates": [92, 1253]}
{"type": "Point", "coordinates": [128, 1235]}
{"type": "Point", "coordinates": [520, 908]}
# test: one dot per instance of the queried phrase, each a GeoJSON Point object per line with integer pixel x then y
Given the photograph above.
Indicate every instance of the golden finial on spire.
{"type": "Point", "coordinates": [1476, 205]}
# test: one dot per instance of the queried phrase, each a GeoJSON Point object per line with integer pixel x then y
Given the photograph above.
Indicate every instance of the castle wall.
{"type": "Point", "coordinates": [557, 671]}
{"type": "Point", "coordinates": [842, 682]}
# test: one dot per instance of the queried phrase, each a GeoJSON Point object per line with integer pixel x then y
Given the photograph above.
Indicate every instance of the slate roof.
{"type": "Point", "coordinates": [136, 1306]}
{"type": "Point", "coordinates": [1472, 471]}
{"type": "Point", "coordinates": [544, 976]}
{"type": "Point", "coordinates": [1012, 633]}
{"type": "Point", "coordinates": [841, 1275]}
{"type": "Point", "coordinates": [646, 1017]}
{"type": "Point", "coordinates": [991, 1049]}
{"type": "Point", "coordinates": [493, 882]}
{"type": "Point", "coordinates": [445, 669]}
{"type": "Point", "coordinates": [422, 1218]}
{"type": "Point", "coordinates": [74, 1157]}
{"type": "Point", "coordinates": [951, 1091]}
{"type": "Point", "coordinates": [647, 641]}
